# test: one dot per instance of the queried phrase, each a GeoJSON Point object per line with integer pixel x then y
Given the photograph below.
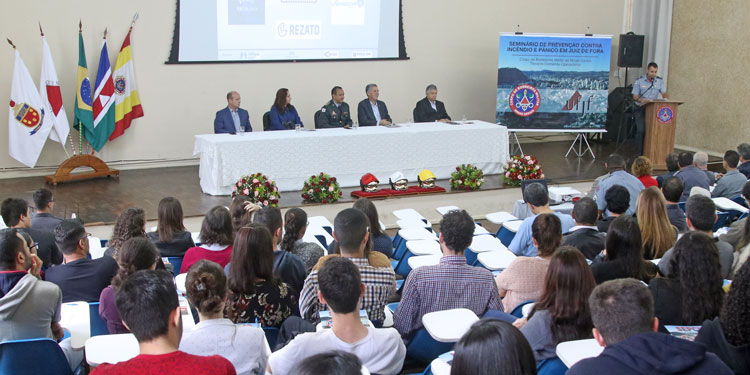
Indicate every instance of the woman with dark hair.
{"type": "Point", "coordinates": [216, 239]}
{"type": "Point", "coordinates": [381, 242]}
{"type": "Point", "coordinates": [245, 346]}
{"type": "Point", "coordinates": [623, 254]}
{"type": "Point", "coordinates": [495, 347]}
{"type": "Point", "coordinates": [255, 293]}
{"type": "Point", "coordinates": [692, 293]}
{"type": "Point", "coordinates": [728, 336]}
{"type": "Point", "coordinates": [657, 233]}
{"type": "Point", "coordinates": [336, 362]}
{"type": "Point", "coordinates": [642, 169]}
{"type": "Point", "coordinates": [742, 252]}
{"type": "Point", "coordinates": [295, 225]}
{"type": "Point", "coordinates": [523, 280]}
{"type": "Point", "coordinates": [135, 254]}
{"type": "Point", "coordinates": [242, 209]}
{"type": "Point", "coordinates": [562, 313]}
{"type": "Point", "coordinates": [170, 237]}
{"type": "Point", "coordinates": [131, 223]}
{"type": "Point", "coordinates": [283, 114]}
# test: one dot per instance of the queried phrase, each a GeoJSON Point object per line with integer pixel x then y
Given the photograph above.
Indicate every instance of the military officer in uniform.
{"type": "Point", "coordinates": [646, 89]}
{"type": "Point", "coordinates": [335, 113]}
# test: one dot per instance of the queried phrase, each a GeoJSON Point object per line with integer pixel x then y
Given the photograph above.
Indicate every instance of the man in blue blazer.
{"type": "Point", "coordinates": [371, 111]}
{"type": "Point", "coordinates": [232, 118]}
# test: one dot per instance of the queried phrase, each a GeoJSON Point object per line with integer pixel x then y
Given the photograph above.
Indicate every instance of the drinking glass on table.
{"type": "Point", "coordinates": [241, 130]}
{"type": "Point", "coordinates": [297, 127]}
{"type": "Point", "coordinates": [355, 125]}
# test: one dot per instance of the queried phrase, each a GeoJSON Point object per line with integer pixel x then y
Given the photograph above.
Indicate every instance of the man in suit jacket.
{"type": "Point", "coordinates": [430, 109]}
{"type": "Point", "coordinates": [371, 111]}
{"type": "Point", "coordinates": [232, 118]}
{"type": "Point", "coordinates": [585, 236]}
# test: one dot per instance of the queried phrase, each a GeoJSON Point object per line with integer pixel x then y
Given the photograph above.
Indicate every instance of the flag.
{"type": "Point", "coordinates": [29, 123]}
{"type": "Point", "coordinates": [83, 113]}
{"type": "Point", "coordinates": [127, 103]}
{"type": "Point", "coordinates": [104, 109]}
{"type": "Point", "coordinates": [49, 90]}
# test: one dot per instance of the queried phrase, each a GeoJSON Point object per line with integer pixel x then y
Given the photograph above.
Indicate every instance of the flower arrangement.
{"type": "Point", "coordinates": [321, 188]}
{"type": "Point", "coordinates": [522, 167]}
{"type": "Point", "coordinates": [259, 188]}
{"type": "Point", "coordinates": [467, 177]}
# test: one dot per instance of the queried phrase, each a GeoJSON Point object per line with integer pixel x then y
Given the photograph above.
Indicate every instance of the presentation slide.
{"type": "Point", "coordinates": [548, 81]}
{"type": "Point", "coordinates": [282, 30]}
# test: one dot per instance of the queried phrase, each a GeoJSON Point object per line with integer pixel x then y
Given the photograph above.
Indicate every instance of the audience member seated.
{"type": "Point", "coordinates": [623, 254]}
{"type": "Point", "coordinates": [737, 229]}
{"type": "Point", "coordinates": [15, 213]}
{"type": "Point", "coordinates": [256, 295]}
{"type": "Point", "coordinates": [743, 250]}
{"type": "Point", "coordinates": [288, 266]}
{"type": "Point", "coordinates": [216, 240]}
{"type": "Point", "coordinates": [642, 168]}
{"type": "Point", "coordinates": [381, 242]}
{"type": "Point", "coordinates": [672, 191]}
{"type": "Point", "coordinates": [536, 197]}
{"type": "Point", "coordinates": [148, 304]}
{"type": "Point", "coordinates": [692, 293]}
{"type": "Point", "coordinates": [492, 346]}
{"type": "Point", "coordinates": [728, 336]}
{"type": "Point", "coordinates": [595, 186]}
{"type": "Point", "coordinates": [617, 201]}
{"type": "Point", "coordinates": [350, 231]}
{"type": "Point", "coordinates": [562, 313]}
{"type": "Point", "coordinates": [690, 175]}
{"type": "Point", "coordinates": [585, 236]}
{"type": "Point", "coordinates": [295, 226]}
{"type": "Point", "coordinates": [131, 223]}
{"type": "Point", "coordinates": [700, 160]}
{"type": "Point", "coordinates": [242, 210]}
{"type": "Point", "coordinates": [624, 324]}
{"type": "Point", "coordinates": [29, 307]}
{"type": "Point", "coordinates": [657, 233]}
{"type": "Point", "coordinates": [80, 278]}
{"type": "Point", "coordinates": [135, 254]}
{"type": "Point", "coordinates": [618, 176]}
{"type": "Point", "coordinates": [170, 237]}
{"type": "Point", "coordinates": [729, 184]}
{"type": "Point", "coordinates": [451, 284]}
{"type": "Point", "coordinates": [672, 168]}
{"type": "Point", "coordinates": [243, 345]}
{"type": "Point", "coordinates": [342, 290]}
{"type": "Point", "coordinates": [335, 362]}
{"type": "Point", "coordinates": [701, 215]}
{"type": "Point", "coordinates": [744, 151]}
{"type": "Point", "coordinates": [283, 115]}
{"type": "Point", "coordinates": [523, 280]}
{"type": "Point", "coordinates": [43, 219]}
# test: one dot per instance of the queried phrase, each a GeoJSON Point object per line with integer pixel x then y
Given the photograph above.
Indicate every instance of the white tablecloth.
{"type": "Point", "coordinates": [290, 157]}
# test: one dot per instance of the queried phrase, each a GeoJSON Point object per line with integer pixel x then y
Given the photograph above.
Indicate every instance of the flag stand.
{"type": "Point", "coordinates": [64, 174]}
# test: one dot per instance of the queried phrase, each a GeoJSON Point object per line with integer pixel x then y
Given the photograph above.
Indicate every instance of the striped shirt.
{"type": "Point", "coordinates": [452, 284]}
{"type": "Point", "coordinates": [379, 282]}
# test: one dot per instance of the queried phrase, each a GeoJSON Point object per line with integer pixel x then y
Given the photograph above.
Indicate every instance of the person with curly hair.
{"type": "Point", "coordinates": [170, 237]}
{"type": "Point", "coordinates": [657, 232]}
{"type": "Point", "coordinates": [642, 168]}
{"type": "Point", "coordinates": [693, 292]}
{"type": "Point", "coordinates": [136, 254]}
{"type": "Point", "coordinates": [295, 225]}
{"type": "Point", "coordinates": [562, 313]}
{"type": "Point", "coordinates": [623, 254]}
{"type": "Point", "coordinates": [243, 345]}
{"type": "Point", "coordinates": [728, 336]}
{"type": "Point", "coordinates": [216, 237]}
{"type": "Point", "coordinates": [131, 223]}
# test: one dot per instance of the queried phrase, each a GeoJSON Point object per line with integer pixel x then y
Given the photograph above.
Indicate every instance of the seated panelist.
{"type": "Point", "coordinates": [430, 109]}
{"type": "Point", "coordinates": [335, 113]}
{"type": "Point", "coordinates": [283, 115]}
{"type": "Point", "coordinates": [371, 111]}
{"type": "Point", "coordinates": [232, 119]}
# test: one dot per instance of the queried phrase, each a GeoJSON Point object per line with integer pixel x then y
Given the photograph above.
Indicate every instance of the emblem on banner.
{"type": "Point", "coordinates": [120, 84]}
{"type": "Point", "coordinates": [28, 116]}
{"type": "Point", "coordinates": [665, 115]}
{"type": "Point", "coordinates": [524, 100]}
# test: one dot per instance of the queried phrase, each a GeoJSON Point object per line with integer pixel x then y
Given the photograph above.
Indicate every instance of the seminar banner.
{"type": "Point", "coordinates": [553, 81]}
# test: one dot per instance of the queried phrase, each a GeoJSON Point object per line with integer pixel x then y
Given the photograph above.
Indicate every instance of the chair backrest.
{"type": "Point", "coordinates": [317, 119]}
{"type": "Point", "coordinates": [414, 114]}
{"type": "Point", "coordinates": [176, 262]}
{"type": "Point", "coordinates": [423, 348]}
{"type": "Point", "coordinates": [272, 334]}
{"type": "Point", "coordinates": [518, 310]}
{"type": "Point", "coordinates": [97, 324]}
{"type": "Point", "coordinates": [33, 357]}
{"type": "Point", "coordinates": [551, 366]}
{"type": "Point", "coordinates": [740, 200]}
{"type": "Point", "coordinates": [266, 120]}
{"type": "Point", "coordinates": [721, 219]}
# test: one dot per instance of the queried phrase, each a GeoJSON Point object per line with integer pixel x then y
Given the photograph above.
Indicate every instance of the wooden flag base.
{"type": "Point", "coordinates": [63, 173]}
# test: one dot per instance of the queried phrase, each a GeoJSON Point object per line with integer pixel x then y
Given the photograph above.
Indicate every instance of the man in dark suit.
{"type": "Point", "coordinates": [430, 109]}
{"type": "Point", "coordinates": [585, 236]}
{"type": "Point", "coordinates": [371, 111]}
{"type": "Point", "coordinates": [232, 119]}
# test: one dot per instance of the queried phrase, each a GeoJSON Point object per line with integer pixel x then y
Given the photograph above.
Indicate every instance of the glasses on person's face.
{"type": "Point", "coordinates": [33, 247]}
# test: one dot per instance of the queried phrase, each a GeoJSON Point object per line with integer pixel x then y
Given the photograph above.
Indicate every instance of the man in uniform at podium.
{"type": "Point", "coordinates": [646, 89]}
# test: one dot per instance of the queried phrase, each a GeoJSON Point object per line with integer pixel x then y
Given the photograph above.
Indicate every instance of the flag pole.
{"type": "Point", "coordinates": [80, 125]}
{"type": "Point", "coordinates": [11, 43]}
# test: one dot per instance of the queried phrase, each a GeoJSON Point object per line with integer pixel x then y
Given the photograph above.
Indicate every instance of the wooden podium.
{"type": "Point", "coordinates": [661, 122]}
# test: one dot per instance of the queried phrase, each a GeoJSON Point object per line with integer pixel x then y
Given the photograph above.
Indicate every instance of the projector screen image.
{"type": "Point", "coordinates": [287, 30]}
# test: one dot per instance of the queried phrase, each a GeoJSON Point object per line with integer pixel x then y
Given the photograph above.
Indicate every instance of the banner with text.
{"type": "Point", "coordinates": [552, 81]}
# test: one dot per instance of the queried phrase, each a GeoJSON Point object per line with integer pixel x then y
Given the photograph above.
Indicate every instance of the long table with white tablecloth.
{"type": "Point", "coordinates": [290, 157]}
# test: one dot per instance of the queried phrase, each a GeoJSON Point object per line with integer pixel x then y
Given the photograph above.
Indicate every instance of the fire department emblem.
{"type": "Point", "coordinates": [524, 100]}
{"type": "Point", "coordinates": [665, 115]}
{"type": "Point", "coordinates": [120, 85]}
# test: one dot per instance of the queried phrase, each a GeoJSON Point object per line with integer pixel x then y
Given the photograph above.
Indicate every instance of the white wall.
{"type": "Point", "coordinates": [452, 44]}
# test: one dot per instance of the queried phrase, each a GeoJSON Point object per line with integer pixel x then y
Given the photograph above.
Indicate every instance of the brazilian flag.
{"type": "Point", "coordinates": [83, 113]}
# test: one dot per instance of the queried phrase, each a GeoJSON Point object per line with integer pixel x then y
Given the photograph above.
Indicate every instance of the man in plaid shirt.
{"type": "Point", "coordinates": [449, 285]}
{"type": "Point", "coordinates": [351, 231]}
